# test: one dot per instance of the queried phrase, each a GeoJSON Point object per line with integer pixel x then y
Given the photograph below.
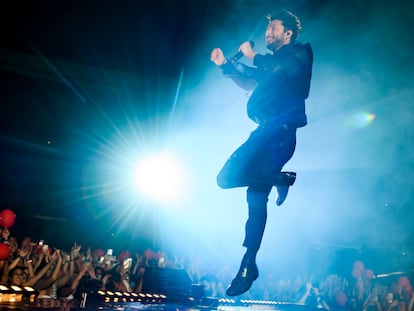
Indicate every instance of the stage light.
{"type": "Point", "coordinates": [16, 294]}
{"type": "Point", "coordinates": [160, 177]}
{"type": "Point", "coordinates": [126, 297]}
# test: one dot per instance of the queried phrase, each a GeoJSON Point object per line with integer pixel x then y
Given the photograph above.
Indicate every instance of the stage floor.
{"type": "Point", "coordinates": [170, 306]}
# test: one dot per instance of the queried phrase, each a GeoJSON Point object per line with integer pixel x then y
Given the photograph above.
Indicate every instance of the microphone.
{"type": "Point", "coordinates": [239, 54]}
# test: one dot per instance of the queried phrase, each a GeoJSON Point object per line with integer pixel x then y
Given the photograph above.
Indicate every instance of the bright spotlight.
{"type": "Point", "coordinates": [160, 178]}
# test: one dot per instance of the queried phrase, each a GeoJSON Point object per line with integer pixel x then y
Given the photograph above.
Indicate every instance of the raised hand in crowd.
{"type": "Point", "coordinates": [72, 285]}
{"type": "Point", "coordinates": [46, 285]}
{"type": "Point", "coordinates": [75, 251]}
{"type": "Point", "coordinates": [411, 303]}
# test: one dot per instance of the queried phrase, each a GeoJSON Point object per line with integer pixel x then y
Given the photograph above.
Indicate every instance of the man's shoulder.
{"type": "Point", "coordinates": [295, 48]}
{"type": "Point", "coordinates": [300, 45]}
{"type": "Point", "coordinates": [303, 50]}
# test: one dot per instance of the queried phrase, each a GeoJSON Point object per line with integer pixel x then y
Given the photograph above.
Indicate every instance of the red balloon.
{"type": "Point", "coordinates": [403, 281]}
{"type": "Point", "coordinates": [7, 218]}
{"type": "Point", "coordinates": [4, 251]}
{"type": "Point", "coordinates": [408, 290]}
{"type": "Point", "coordinates": [124, 255]}
{"type": "Point", "coordinates": [357, 273]}
{"type": "Point", "coordinates": [149, 254]}
{"type": "Point", "coordinates": [99, 252]}
{"type": "Point", "coordinates": [358, 265]}
{"type": "Point", "coordinates": [368, 274]}
{"type": "Point", "coordinates": [341, 298]}
{"type": "Point", "coordinates": [357, 269]}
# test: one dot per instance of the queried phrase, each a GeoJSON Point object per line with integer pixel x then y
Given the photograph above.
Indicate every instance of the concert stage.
{"type": "Point", "coordinates": [180, 307]}
{"type": "Point", "coordinates": [163, 289]}
{"type": "Point", "coordinates": [135, 306]}
{"type": "Point", "coordinates": [150, 302]}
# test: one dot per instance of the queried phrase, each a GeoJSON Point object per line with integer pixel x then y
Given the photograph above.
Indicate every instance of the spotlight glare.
{"type": "Point", "coordinates": [361, 119]}
{"type": "Point", "coordinates": [159, 177]}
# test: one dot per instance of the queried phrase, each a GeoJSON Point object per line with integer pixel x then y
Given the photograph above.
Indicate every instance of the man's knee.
{"type": "Point", "coordinates": [226, 180]}
{"type": "Point", "coordinates": [222, 182]}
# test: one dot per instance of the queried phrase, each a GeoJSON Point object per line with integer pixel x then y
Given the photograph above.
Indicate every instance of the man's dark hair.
{"type": "Point", "coordinates": [289, 20]}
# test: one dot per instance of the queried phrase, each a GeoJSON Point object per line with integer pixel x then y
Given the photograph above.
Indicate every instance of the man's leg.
{"type": "Point", "coordinates": [257, 198]}
{"type": "Point", "coordinates": [284, 150]}
{"type": "Point", "coordinates": [256, 164]}
{"type": "Point", "coordinates": [238, 170]}
{"type": "Point", "coordinates": [283, 181]}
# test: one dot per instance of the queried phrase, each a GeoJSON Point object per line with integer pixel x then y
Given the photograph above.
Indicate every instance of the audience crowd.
{"type": "Point", "coordinates": [61, 276]}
